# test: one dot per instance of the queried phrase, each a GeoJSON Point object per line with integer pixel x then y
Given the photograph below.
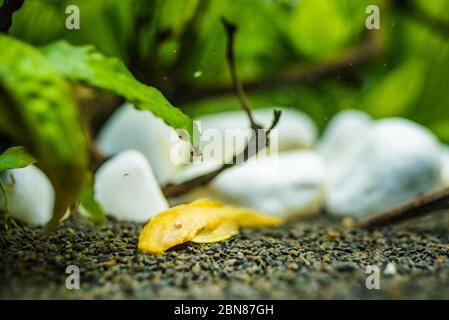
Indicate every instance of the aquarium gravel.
{"type": "Point", "coordinates": [316, 258]}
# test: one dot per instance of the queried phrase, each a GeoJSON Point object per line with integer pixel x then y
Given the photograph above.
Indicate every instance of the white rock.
{"type": "Point", "coordinates": [345, 130]}
{"type": "Point", "coordinates": [445, 166]}
{"type": "Point", "coordinates": [127, 189]}
{"type": "Point", "coordinates": [390, 269]}
{"type": "Point", "coordinates": [294, 130]}
{"type": "Point", "coordinates": [129, 128]}
{"type": "Point", "coordinates": [31, 195]}
{"type": "Point", "coordinates": [289, 183]}
{"type": "Point", "coordinates": [192, 171]}
{"type": "Point", "coordinates": [396, 161]}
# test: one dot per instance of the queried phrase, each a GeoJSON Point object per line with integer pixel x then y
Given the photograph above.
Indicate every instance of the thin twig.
{"type": "Point", "coordinates": [6, 12]}
{"type": "Point", "coordinates": [418, 207]}
{"type": "Point", "coordinates": [257, 142]}
{"type": "Point", "coordinates": [173, 190]}
{"type": "Point", "coordinates": [237, 84]}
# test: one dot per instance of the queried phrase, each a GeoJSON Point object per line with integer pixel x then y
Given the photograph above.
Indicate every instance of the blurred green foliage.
{"type": "Point", "coordinates": [15, 157]}
{"type": "Point", "coordinates": [85, 64]}
{"type": "Point", "coordinates": [335, 23]}
{"type": "Point", "coordinates": [178, 46]}
{"type": "Point", "coordinates": [185, 41]}
{"type": "Point", "coordinates": [88, 206]}
{"type": "Point", "coordinates": [42, 114]}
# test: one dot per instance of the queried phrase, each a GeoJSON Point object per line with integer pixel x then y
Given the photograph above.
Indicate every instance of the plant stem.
{"type": "Point", "coordinates": [256, 142]}
{"type": "Point", "coordinates": [7, 219]}
{"type": "Point", "coordinates": [237, 83]}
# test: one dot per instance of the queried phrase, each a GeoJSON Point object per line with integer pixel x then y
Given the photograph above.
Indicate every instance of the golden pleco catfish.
{"type": "Point", "coordinates": [201, 221]}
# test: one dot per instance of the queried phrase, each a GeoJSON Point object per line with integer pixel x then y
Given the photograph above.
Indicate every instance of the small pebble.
{"type": "Point", "coordinates": [390, 269]}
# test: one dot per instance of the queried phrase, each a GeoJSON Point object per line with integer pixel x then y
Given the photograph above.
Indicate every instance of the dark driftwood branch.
{"type": "Point", "coordinates": [418, 207]}
{"type": "Point", "coordinates": [6, 12]}
{"type": "Point", "coordinates": [257, 142]}
{"type": "Point", "coordinates": [341, 64]}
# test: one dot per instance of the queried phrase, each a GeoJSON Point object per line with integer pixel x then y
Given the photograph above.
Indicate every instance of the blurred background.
{"type": "Point", "coordinates": [313, 55]}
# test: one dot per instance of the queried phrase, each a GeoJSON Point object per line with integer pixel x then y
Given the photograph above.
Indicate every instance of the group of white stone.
{"type": "Point", "coordinates": [358, 167]}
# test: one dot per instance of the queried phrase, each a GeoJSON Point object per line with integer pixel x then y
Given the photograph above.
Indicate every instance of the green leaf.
{"type": "Point", "coordinates": [44, 117]}
{"type": "Point", "coordinates": [174, 14]}
{"type": "Point", "coordinates": [88, 206]}
{"type": "Point", "coordinates": [321, 28]}
{"type": "Point", "coordinates": [441, 129]}
{"type": "Point", "coordinates": [87, 65]}
{"type": "Point", "coordinates": [398, 91]}
{"type": "Point", "coordinates": [14, 158]}
{"type": "Point", "coordinates": [435, 8]}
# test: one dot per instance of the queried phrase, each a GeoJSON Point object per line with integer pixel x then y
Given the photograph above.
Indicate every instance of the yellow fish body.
{"type": "Point", "coordinates": [201, 221]}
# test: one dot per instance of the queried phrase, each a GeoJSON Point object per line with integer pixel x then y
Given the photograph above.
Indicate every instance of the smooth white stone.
{"type": "Point", "coordinates": [126, 188]}
{"type": "Point", "coordinates": [192, 171]}
{"type": "Point", "coordinates": [132, 129]}
{"type": "Point", "coordinates": [31, 195]}
{"type": "Point", "coordinates": [344, 131]}
{"type": "Point", "coordinates": [445, 166]}
{"type": "Point", "coordinates": [396, 161]}
{"type": "Point", "coordinates": [390, 269]}
{"type": "Point", "coordinates": [294, 130]}
{"type": "Point", "coordinates": [288, 183]}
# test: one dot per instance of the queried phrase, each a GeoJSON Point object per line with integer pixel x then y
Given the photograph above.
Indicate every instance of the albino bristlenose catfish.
{"type": "Point", "coordinates": [202, 221]}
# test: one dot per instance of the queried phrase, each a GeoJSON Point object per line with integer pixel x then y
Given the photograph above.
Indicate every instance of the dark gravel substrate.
{"type": "Point", "coordinates": [305, 259]}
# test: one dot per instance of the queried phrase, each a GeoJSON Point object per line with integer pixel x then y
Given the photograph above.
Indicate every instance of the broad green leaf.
{"type": "Point", "coordinates": [41, 22]}
{"type": "Point", "coordinates": [88, 206]}
{"type": "Point", "coordinates": [173, 14]}
{"type": "Point", "coordinates": [87, 65]}
{"type": "Point", "coordinates": [14, 158]}
{"type": "Point", "coordinates": [398, 91]}
{"type": "Point", "coordinates": [441, 129]}
{"type": "Point", "coordinates": [45, 117]}
{"type": "Point", "coordinates": [320, 28]}
{"type": "Point", "coordinates": [6, 126]}
{"type": "Point", "coordinates": [436, 8]}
